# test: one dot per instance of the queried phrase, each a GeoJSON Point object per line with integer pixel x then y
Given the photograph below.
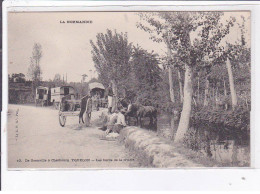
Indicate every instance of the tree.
{"type": "Point", "coordinates": [231, 84]}
{"type": "Point", "coordinates": [111, 55]}
{"type": "Point", "coordinates": [145, 76]}
{"type": "Point", "coordinates": [196, 37]}
{"type": "Point", "coordinates": [239, 54]}
{"type": "Point", "coordinates": [34, 70]}
{"type": "Point", "coordinates": [170, 69]}
{"type": "Point", "coordinates": [57, 80]}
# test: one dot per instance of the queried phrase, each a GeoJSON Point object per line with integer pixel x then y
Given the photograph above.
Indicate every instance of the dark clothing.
{"type": "Point", "coordinates": [83, 105]}
{"type": "Point", "coordinates": [110, 91]}
{"type": "Point", "coordinates": [117, 128]}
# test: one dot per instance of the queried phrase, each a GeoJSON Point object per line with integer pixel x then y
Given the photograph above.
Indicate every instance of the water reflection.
{"type": "Point", "coordinates": [229, 147]}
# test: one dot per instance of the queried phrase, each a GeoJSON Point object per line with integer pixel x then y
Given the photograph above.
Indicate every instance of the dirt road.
{"type": "Point", "coordinates": [36, 140]}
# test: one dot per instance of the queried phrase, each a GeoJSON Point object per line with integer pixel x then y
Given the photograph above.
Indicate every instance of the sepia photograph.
{"type": "Point", "coordinates": [129, 90]}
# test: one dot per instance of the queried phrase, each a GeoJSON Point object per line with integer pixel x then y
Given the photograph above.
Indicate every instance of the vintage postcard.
{"type": "Point", "coordinates": [116, 90]}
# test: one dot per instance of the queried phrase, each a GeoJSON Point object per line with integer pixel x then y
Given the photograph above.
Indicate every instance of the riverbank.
{"type": "Point", "coordinates": [152, 150]}
{"type": "Point", "coordinates": [146, 146]}
{"type": "Point", "coordinates": [155, 151]}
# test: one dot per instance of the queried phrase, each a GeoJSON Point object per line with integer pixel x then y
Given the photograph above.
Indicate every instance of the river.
{"type": "Point", "coordinates": [228, 147]}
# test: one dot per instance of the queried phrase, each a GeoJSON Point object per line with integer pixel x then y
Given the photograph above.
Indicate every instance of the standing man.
{"type": "Point", "coordinates": [110, 95]}
{"type": "Point", "coordinates": [88, 110]}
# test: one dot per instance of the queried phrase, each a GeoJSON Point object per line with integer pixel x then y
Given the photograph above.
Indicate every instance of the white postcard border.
{"type": "Point", "coordinates": [178, 179]}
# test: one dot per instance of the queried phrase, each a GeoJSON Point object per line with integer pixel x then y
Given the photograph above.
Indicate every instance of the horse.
{"type": "Point", "coordinates": [139, 111]}
{"type": "Point", "coordinates": [83, 107]}
{"type": "Point", "coordinates": [122, 103]}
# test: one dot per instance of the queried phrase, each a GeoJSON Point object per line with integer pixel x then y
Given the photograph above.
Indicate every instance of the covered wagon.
{"type": "Point", "coordinates": [97, 91]}
{"type": "Point", "coordinates": [42, 96]}
{"type": "Point", "coordinates": [58, 93]}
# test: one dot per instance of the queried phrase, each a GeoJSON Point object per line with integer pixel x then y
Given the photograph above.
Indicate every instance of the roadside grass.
{"type": "Point", "coordinates": [140, 155]}
{"type": "Point", "coordinates": [144, 156]}
{"type": "Point", "coordinates": [151, 150]}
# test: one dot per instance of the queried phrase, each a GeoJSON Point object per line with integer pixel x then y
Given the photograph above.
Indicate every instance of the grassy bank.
{"type": "Point", "coordinates": [152, 150]}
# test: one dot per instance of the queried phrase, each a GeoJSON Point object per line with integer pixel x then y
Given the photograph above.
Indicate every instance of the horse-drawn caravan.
{"type": "Point", "coordinates": [42, 96]}
{"type": "Point", "coordinates": [69, 106]}
{"type": "Point", "coordinates": [97, 91]}
{"type": "Point", "coordinates": [59, 92]}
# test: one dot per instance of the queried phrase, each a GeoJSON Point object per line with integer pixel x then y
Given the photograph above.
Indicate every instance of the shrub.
{"type": "Point", "coordinates": [237, 119]}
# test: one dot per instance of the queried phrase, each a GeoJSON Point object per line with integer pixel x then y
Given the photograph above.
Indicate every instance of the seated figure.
{"type": "Point", "coordinates": [116, 122]}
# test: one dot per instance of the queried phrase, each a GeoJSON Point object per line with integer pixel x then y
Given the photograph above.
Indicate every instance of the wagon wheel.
{"type": "Point", "coordinates": [62, 119]}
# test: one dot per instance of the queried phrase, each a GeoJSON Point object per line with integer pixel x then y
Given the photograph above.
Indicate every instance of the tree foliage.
{"type": "Point", "coordinates": [196, 36]}
{"type": "Point", "coordinates": [57, 80]}
{"type": "Point", "coordinates": [145, 76]}
{"type": "Point", "coordinates": [111, 55]}
{"type": "Point", "coordinates": [34, 70]}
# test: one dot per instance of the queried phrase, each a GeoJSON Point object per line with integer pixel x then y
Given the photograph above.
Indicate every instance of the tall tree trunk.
{"type": "Point", "coordinates": [171, 84]}
{"type": "Point", "coordinates": [206, 92]}
{"type": "Point", "coordinates": [199, 87]}
{"type": "Point", "coordinates": [213, 93]}
{"type": "Point", "coordinates": [232, 85]}
{"type": "Point", "coordinates": [186, 110]}
{"type": "Point", "coordinates": [180, 85]}
{"type": "Point", "coordinates": [234, 156]}
{"type": "Point", "coordinates": [216, 98]}
{"type": "Point", "coordinates": [225, 90]}
{"type": "Point", "coordinates": [170, 70]}
{"type": "Point", "coordinates": [172, 127]}
{"type": "Point", "coordinates": [225, 94]}
{"type": "Point", "coordinates": [114, 88]}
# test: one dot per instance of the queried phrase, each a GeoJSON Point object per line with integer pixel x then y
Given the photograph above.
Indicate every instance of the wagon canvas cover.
{"type": "Point", "coordinates": [96, 85]}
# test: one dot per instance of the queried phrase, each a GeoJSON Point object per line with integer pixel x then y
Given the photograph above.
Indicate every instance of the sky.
{"type": "Point", "coordinates": [66, 47]}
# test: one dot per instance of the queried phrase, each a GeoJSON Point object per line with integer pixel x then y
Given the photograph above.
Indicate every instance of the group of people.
{"type": "Point", "coordinates": [115, 119]}
{"type": "Point", "coordinates": [115, 122]}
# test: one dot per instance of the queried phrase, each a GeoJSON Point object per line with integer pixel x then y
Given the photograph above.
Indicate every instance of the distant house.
{"type": "Point", "coordinates": [20, 90]}
{"type": "Point", "coordinates": [17, 77]}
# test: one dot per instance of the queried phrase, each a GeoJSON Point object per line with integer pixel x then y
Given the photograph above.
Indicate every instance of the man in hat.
{"type": "Point", "coordinates": [110, 95]}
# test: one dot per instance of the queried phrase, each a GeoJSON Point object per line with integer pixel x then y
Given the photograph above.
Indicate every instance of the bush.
{"type": "Point", "coordinates": [238, 119]}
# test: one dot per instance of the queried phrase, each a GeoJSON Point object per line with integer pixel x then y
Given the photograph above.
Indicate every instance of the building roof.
{"type": "Point", "coordinates": [42, 87]}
